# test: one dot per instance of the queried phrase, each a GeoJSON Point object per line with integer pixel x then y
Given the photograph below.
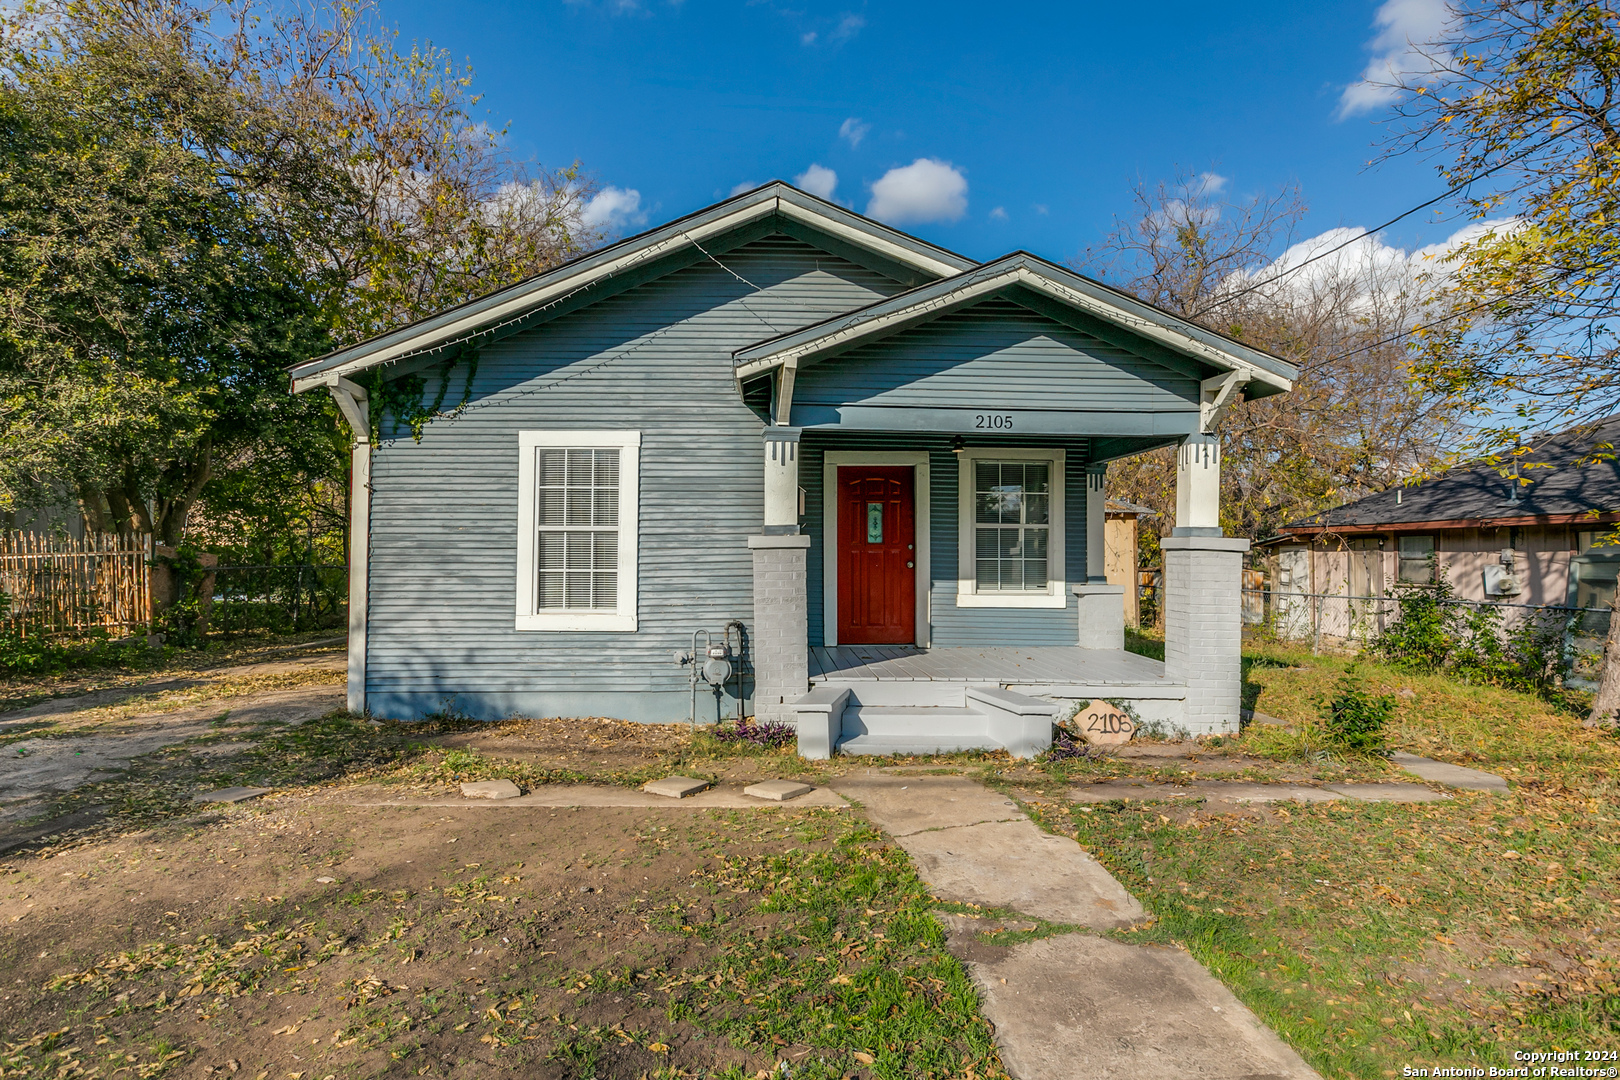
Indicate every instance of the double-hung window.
{"type": "Point", "coordinates": [1012, 528]}
{"type": "Point", "coordinates": [1415, 563]}
{"type": "Point", "coordinates": [577, 521]}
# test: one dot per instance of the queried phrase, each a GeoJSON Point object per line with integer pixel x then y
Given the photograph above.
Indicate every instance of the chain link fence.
{"type": "Point", "coordinates": [1341, 622]}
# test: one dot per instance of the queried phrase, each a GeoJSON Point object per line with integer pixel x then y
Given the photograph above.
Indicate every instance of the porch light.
{"type": "Point", "coordinates": [957, 445]}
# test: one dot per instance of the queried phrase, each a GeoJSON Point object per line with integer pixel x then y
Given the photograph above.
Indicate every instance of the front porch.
{"type": "Point", "coordinates": [1047, 671]}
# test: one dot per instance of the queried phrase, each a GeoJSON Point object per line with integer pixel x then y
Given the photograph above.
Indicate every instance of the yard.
{"type": "Point", "coordinates": [146, 937]}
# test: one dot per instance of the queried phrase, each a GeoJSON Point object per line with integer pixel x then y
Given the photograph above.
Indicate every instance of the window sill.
{"type": "Point", "coordinates": [1057, 598]}
{"type": "Point", "coordinates": [577, 620]}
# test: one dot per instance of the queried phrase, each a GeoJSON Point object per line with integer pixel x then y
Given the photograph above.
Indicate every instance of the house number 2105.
{"type": "Point", "coordinates": [1001, 421]}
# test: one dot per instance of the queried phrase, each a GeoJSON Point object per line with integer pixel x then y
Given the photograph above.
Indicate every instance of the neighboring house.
{"type": "Point", "coordinates": [880, 462]}
{"type": "Point", "coordinates": [1526, 538]}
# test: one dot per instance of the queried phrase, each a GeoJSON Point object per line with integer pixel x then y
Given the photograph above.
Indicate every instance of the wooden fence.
{"type": "Point", "coordinates": [58, 585]}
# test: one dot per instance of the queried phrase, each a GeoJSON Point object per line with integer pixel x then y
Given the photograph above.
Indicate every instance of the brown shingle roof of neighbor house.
{"type": "Point", "coordinates": [1129, 509]}
{"type": "Point", "coordinates": [1478, 495]}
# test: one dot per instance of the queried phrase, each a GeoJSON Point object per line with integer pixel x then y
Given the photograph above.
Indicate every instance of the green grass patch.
{"type": "Point", "coordinates": [1373, 936]}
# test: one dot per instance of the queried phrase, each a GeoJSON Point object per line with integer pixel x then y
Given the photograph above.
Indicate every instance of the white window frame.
{"type": "Point", "coordinates": [628, 443]}
{"type": "Point", "coordinates": [1057, 589]}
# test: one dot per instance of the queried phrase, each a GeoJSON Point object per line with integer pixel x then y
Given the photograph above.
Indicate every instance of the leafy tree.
{"type": "Point", "coordinates": [195, 196]}
{"type": "Point", "coordinates": [1521, 101]}
{"type": "Point", "coordinates": [151, 290]}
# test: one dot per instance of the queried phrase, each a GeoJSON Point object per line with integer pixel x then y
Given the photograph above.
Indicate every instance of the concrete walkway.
{"type": "Point", "coordinates": [1072, 1006]}
{"type": "Point", "coordinates": [1228, 797]}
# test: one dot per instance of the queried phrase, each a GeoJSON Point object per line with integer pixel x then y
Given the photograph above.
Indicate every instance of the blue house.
{"type": "Point", "coordinates": [881, 464]}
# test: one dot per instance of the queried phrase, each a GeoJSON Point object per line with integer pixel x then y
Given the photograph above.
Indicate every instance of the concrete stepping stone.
{"type": "Point", "coordinates": [1078, 1007]}
{"type": "Point", "coordinates": [1451, 775]}
{"type": "Point", "coordinates": [490, 789]}
{"type": "Point", "coordinates": [675, 787]}
{"type": "Point", "coordinates": [777, 790]}
{"type": "Point", "coordinates": [231, 794]}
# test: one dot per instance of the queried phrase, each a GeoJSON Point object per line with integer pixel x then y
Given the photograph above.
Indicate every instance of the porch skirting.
{"type": "Point", "coordinates": [781, 627]}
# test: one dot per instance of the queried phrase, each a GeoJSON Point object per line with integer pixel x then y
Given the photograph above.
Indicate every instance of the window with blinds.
{"type": "Point", "coordinates": [577, 526]}
{"type": "Point", "coordinates": [1012, 503]}
{"type": "Point", "coordinates": [577, 519]}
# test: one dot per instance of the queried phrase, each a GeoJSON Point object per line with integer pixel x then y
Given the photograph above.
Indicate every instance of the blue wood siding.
{"type": "Point", "coordinates": [995, 352]}
{"type": "Point", "coordinates": [655, 358]}
{"type": "Point", "coordinates": [949, 624]}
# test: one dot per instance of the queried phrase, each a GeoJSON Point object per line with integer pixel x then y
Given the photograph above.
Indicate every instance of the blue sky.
{"type": "Point", "coordinates": [1032, 121]}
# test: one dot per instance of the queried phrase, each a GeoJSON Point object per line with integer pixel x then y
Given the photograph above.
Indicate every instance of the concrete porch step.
{"type": "Point", "coordinates": [837, 718]}
{"type": "Point", "coordinates": [899, 744]}
{"type": "Point", "coordinates": [911, 720]}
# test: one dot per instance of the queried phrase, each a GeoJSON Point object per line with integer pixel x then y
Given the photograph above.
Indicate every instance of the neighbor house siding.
{"type": "Point", "coordinates": [949, 624]}
{"type": "Point", "coordinates": [655, 359]}
{"type": "Point", "coordinates": [995, 353]}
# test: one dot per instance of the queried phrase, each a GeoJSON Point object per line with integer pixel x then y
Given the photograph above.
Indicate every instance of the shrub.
{"type": "Point", "coordinates": [769, 734]}
{"type": "Point", "coordinates": [1355, 721]}
{"type": "Point", "coordinates": [1439, 630]}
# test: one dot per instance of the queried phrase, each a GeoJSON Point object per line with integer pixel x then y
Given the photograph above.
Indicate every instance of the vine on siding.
{"type": "Point", "coordinates": [401, 398]}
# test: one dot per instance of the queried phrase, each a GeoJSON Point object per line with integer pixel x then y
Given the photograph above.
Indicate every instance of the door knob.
{"type": "Point", "coordinates": [909, 564]}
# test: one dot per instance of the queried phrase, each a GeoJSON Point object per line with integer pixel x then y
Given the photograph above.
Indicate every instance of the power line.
{"type": "Point", "coordinates": [1448, 193]}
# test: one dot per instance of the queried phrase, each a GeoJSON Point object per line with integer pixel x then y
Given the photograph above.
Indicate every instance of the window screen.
{"type": "Point", "coordinates": [1011, 521]}
{"type": "Point", "coordinates": [577, 515]}
{"type": "Point", "coordinates": [1416, 560]}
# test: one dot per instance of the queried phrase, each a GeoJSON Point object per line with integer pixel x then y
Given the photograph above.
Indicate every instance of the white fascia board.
{"type": "Point", "coordinates": [1169, 337]}
{"type": "Point", "coordinates": [861, 238]}
{"type": "Point", "coordinates": [527, 302]}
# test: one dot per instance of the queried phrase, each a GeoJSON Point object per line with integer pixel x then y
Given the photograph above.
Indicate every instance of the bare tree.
{"type": "Point", "coordinates": [1354, 422]}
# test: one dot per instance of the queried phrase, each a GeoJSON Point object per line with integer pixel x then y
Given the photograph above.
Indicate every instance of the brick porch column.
{"type": "Point", "coordinates": [1203, 581]}
{"type": "Point", "coordinates": [781, 603]}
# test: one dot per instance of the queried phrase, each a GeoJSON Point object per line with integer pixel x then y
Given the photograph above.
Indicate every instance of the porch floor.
{"type": "Point", "coordinates": [986, 665]}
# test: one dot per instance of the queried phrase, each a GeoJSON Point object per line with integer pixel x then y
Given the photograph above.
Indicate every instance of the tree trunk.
{"type": "Point", "coordinates": [1607, 702]}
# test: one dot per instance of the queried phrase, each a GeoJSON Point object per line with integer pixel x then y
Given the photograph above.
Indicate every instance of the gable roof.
{"type": "Point", "coordinates": [1265, 373]}
{"type": "Point", "coordinates": [487, 313]}
{"type": "Point", "coordinates": [1478, 495]}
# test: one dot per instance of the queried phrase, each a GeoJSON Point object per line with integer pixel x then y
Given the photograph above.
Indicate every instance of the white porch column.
{"type": "Point", "coordinates": [1096, 523]}
{"type": "Point", "coordinates": [1101, 605]}
{"type": "Point", "coordinates": [352, 403]}
{"type": "Point", "coordinates": [1198, 486]}
{"type": "Point", "coordinates": [1203, 575]}
{"type": "Point", "coordinates": [781, 603]}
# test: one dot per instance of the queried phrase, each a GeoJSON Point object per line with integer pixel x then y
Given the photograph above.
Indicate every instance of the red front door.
{"type": "Point", "coordinates": [877, 555]}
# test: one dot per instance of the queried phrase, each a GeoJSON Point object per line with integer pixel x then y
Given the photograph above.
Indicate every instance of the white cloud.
{"type": "Point", "coordinates": [853, 131]}
{"type": "Point", "coordinates": [1208, 183]}
{"type": "Point", "coordinates": [1400, 53]}
{"type": "Point", "coordinates": [738, 189]}
{"type": "Point", "coordinates": [999, 214]}
{"type": "Point", "coordinates": [808, 38]}
{"type": "Point", "coordinates": [925, 190]}
{"type": "Point", "coordinates": [1364, 259]}
{"type": "Point", "coordinates": [614, 208]}
{"type": "Point", "coordinates": [847, 27]}
{"type": "Point", "coordinates": [1042, 209]}
{"type": "Point", "coordinates": [818, 180]}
